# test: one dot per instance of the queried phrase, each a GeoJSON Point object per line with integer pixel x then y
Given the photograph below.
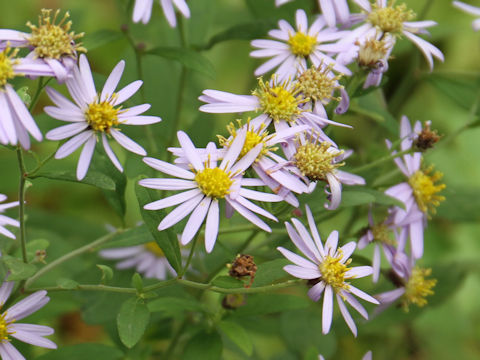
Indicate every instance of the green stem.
{"type": "Point", "coordinates": [21, 207]}
{"type": "Point", "coordinates": [190, 256]}
{"type": "Point", "coordinates": [41, 85]}
{"type": "Point", "coordinates": [251, 290]}
{"type": "Point", "coordinates": [380, 161]}
{"type": "Point", "coordinates": [70, 255]}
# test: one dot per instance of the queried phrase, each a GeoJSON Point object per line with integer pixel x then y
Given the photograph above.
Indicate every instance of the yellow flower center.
{"type": "Point", "coordinates": [302, 44]}
{"type": "Point", "coordinates": [390, 18]}
{"type": "Point", "coordinates": [418, 288]}
{"type": "Point", "coordinates": [214, 182]}
{"type": "Point", "coordinates": [102, 116]}
{"type": "Point", "coordinates": [316, 85]}
{"type": "Point", "coordinates": [154, 249]}
{"type": "Point", "coordinates": [371, 52]}
{"type": "Point", "coordinates": [315, 161]}
{"type": "Point", "coordinates": [4, 331]}
{"type": "Point", "coordinates": [425, 190]}
{"type": "Point", "coordinates": [52, 40]}
{"type": "Point", "coordinates": [6, 65]}
{"type": "Point", "coordinates": [279, 101]}
{"type": "Point", "coordinates": [333, 271]}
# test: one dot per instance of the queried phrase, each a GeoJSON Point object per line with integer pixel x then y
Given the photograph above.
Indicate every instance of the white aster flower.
{"type": "Point", "coordinates": [28, 333]}
{"type": "Point", "coordinates": [281, 2]}
{"type": "Point", "coordinates": [474, 10]}
{"type": "Point", "coordinates": [95, 115]}
{"type": "Point", "coordinates": [53, 45]}
{"type": "Point", "coordinates": [143, 10]}
{"type": "Point", "coordinates": [328, 265]}
{"type": "Point", "coordinates": [335, 11]}
{"type": "Point", "coordinates": [419, 193]}
{"type": "Point", "coordinates": [207, 183]}
{"type": "Point", "coordinates": [382, 18]}
{"type": "Point", "coordinates": [292, 47]}
{"type": "Point", "coordinates": [4, 220]}
{"type": "Point", "coordinates": [148, 259]}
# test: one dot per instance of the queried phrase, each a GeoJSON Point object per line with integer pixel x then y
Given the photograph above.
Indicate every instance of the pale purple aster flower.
{"type": "Point", "coordinates": [142, 10]}
{"type": "Point", "coordinates": [4, 220]}
{"type": "Point", "coordinates": [206, 183]}
{"type": "Point", "coordinates": [95, 115]}
{"type": "Point", "coordinates": [148, 259]}
{"type": "Point", "coordinates": [16, 122]}
{"type": "Point", "coordinates": [474, 10]}
{"type": "Point", "coordinates": [28, 333]}
{"type": "Point", "coordinates": [335, 11]}
{"type": "Point", "coordinates": [382, 18]}
{"type": "Point", "coordinates": [292, 47]}
{"type": "Point", "coordinates": [418, 193]}
{"type": "Point", "coordinates": [328, 265]}
{"type": "Point", "coordinates": [53, 45]}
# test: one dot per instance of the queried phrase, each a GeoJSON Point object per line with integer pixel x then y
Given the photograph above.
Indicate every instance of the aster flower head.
{"type": "Point", "coordinates": [293, 47]}
{"type": "Point", "coordinates": [95, 115]}
{"type": "Point", "coordinates": [329, 266]}
{"type": "Point", "coordinates": [206, 184]}
{"type": "Point", "coordinates": [473, 10]}
{"type": "Point", "coordinates": [28, 333]}
{"type": "Point", "coordinates": [335, 11]}
{"type": "Point", "coordinates": [142, 10]}
{"type": "Point", "coordinates": [4, 220]}
{"type": "Point", "coordinates": [147, 259]}
{"type": "Point", "coordinates": [52, 42]}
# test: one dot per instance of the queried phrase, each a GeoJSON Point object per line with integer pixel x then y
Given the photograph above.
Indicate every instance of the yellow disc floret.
{"type": "Point", "coordinates": [418, 288]}
{"type": "Point", "coordinates": [302, 44]}
{"type": "Point", "coordinates": [425, 190]}
{"type": "Point", "coordinates": [101, 116]}
{"type": "Point", "coordinates": [371, 52]}
{"type": "Point", "coordinates": [279, 101]}
{"type": "Point", "coordinates": [315, 160]}
{"type": "Point", "coordinates": [333, 271]}
{"type": "Point", "coordinates": [390, 18]}
{"type": "Point", "coordinates": [6, 65]}
{"type": "Point", "coordinates": [52, 40]}
{"type": "Point", "coordinates": [154, 249]}
{"type": "Point", "coordinates": [4, 331]}
{"type": "Point", "coordinates": [319, 84]}
{"type": "Point", "coordinates": [214, 182]}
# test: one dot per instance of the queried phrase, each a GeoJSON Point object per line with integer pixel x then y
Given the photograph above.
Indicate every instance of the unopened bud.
{"type": "Point", "coordinates": [427, 138]}
{"type": "Point", "coordinates": [233, 301]}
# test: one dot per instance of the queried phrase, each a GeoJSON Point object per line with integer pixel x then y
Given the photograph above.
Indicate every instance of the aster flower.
{"type": "Point", "coordinates": [329, 266]}
{"type": "Point", "coordinates": [292, 47]}
{"type": "Point", "coordinates": [28, 333]}
{"type": "Point", "coordinates": [281, 2]}
{"type": "Point", "coordinates": [53, 45]}
{"type": "Point", "coordinates": [148, 259]}
{"type": "Point", "coordinates": [206, 184]}
{"type": "Point", "coordinates": [474, 10]}
{"type": "Point", "coordinates": [335, 11]}
{"type": "Point", "coordinates": [95, 115]}
{"type": "Point", "coordinates": [143, 10]}
{"type": "Point", "coordinates": [367, 356]}
{"type": "Point", "coordinates": [419, 193]}
{"type": "Point", "coordinates": [383, 18]}
{"type": "Point", "coordinates": [16, 122]}
{"type": "Point", "coordinates": [4, 220]}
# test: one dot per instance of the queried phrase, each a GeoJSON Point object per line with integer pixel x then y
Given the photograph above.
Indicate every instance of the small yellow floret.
{"type": "Point", "coordinates": [371, 52]}
{"type": "Point", "coordinates": [4, 331]}
{"type": "Point", "coordinates": [317, 84]}
{"type": "Point", "coordinates": [6, 65]}
{"type": "Point", "coordinates": [154, 249]}
{"type": "Point", "coordinates": [418, 288]}
{"type": "Point", "coordinates": [52, 40]}
{"type": "Point", "coordinates": [214, 182]}
{"type": "Point", "coordinates": [333, 271]}
{"type": "Point", "coordinates": [390, 18]}
{"type": "Point", "coordinates": [315, 161]}
{"type": "Point", "coordinates": [102, 116]}
{"type": "Point", "coordinates": [302, 44]}
{"type": "Point", "coordinates": [425, 190]}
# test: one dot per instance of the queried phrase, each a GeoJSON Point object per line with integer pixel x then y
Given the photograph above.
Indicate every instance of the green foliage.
{"type": "Point", "coordinates": [82, 352]}
{"type": "Point", "coordinates": [94, 178]}
{"type": "Point", "coordinates": [100, 38]}
{"type": "Point", "coordinates": [18, 269]}
{"type": "Point", "coordinates": [227, 282]}
{"type": "Point", "coordinates": [204, 346]}
{"type": "Point", "coordinates": [261, 304]}
{"type": "Point", "coordinates": [269, 272]}
{"type": "Point", "coordinates": [132, 320]}
{"type": "Point", "coordinates": [238, 335]}
{"type": "Point", "coordinates": [67, 284]}
{"type": "Point", "coordinates": [174, 306]}
{"type": "Point", "coordinates": [107, 273]}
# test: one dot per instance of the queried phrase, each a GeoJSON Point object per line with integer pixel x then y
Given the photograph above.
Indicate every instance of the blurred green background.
{"type": "Point", "coordinates": [71, 214]}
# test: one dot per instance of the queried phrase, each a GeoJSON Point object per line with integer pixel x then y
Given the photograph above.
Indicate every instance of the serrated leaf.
{"type": "Point", "coordinates": [227, 282]}
{"type": "Point", "coordinates": [82, 352]}
{"type": "Point", "coordinates": [166, 239]}
{"type": "Point", "coordinates": [238, 335]}
{"type": "Point", "coordinates": [260, 304]}
{"type": "Point", "coordinates": [269, 272]}
{"type": "Point", "coordinates": [204, 346]}
{"type": "Point", "coordinates": [247, 31]}
{"type": "Point", "coordinates": [93, 178]}
{"type": "Point", "coordinates": [132, 320]}
{"type": "Point", "coordinates": [67, 283]}
{"type": "Point", "coordinates": [100, 38]}
{"type": "Point", "coordinates": [191, 59]}
{"type": "Point", "coordinates": [18, 269]}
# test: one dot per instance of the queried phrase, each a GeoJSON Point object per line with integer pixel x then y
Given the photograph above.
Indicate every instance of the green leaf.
{"type": "Point", "coordinates": [34, 246]}
{"type": "Point", "coordinates": [166, 239]}
{"type": "Point", "coordinates": [132, 321]}
{"type": "Point", "coordinates": [137, 282]}
{"type": "Point", "coordinates": [269, 272]}
{"type": "Point", "coordinates": [465, 201]}
{"type": "Point", "coordinates": [100, 38]}
{"type": "Point", "coordinates": [204, 346]}
{"type": "Point", "coordinates": [227, 282]}
{"type": "Point", "coordinates": [450, 278]}
{"type": "Point", "coordinates": [24, 95]}
{"type": "Point", "coordinates": [107, 273]}
{"type": "Point", "coordinates": [18, 269]}
{"type": "Point", "coordinates": [462, 89]}
{"type": "Point", "coordinates": [260, 304]}
{"type": "Point", "coordinates": [379, 197]}
{"type": "Point", "coordinates": [67, 284]}
{"type": "Point", "coordinates": [134, 236]}
{"type": "Point", "coordinates": [191, 59]}
{"type": "Point", "coordinates": [247, 31]}
{"type": "Point", "coordinates": [82, 352]}
{"type": "Point", "coordinates": [93, 178]}
{"type": "Point", "coordinates": [355, 198]}
{"type": "Point", "coordinates": [238, 335]}
{"type": "Point", "coordinates": [173, 306]}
